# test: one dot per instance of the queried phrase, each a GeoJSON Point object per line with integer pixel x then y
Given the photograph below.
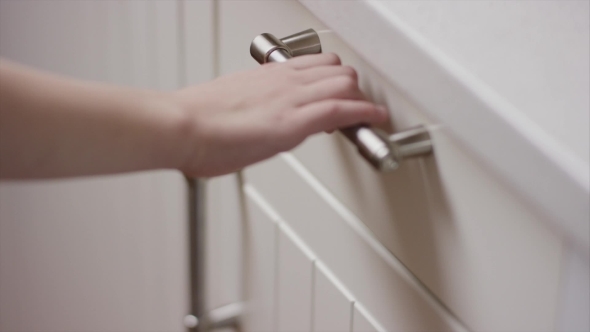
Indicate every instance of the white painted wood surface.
{"type": "Point", "coordinates": [362, 322]}
{"type": "Point", "coordinates": [533, 53]}
{"type": "Point", "coordinates": [574, 301]}
{"type": "Point", "coordinates": [104, 253]}
{"type": "Point", "coordinates": [333, 307]}
{"type": "Point", "coordinates": [295, 280]}
{"type": "Point", "coordinates": [197, 48]}
{"type": "Point", "coordinates": [455, 227]}
{"type": "Point", "coordinates": [536, 160]}
{"type": "Point", "coordinates": [340, 240]}
{"type": "Point", "coordinates": [333, 304]}
{"type": "Point", "coordinates": [260, 264]}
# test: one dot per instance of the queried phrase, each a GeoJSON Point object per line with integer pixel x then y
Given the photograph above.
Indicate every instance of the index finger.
{"type": "Point", "coordinates": [314, 60]}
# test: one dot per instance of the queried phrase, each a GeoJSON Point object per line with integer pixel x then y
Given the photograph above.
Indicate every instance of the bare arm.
{"type": "Point", "coordinates": [52, 126]}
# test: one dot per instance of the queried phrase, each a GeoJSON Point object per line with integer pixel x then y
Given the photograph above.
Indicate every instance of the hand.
{"type": "Point", "coordinates": [249, 116]}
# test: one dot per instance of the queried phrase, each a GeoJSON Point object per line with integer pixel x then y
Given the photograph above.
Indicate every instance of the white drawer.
{"type": "Point", "coordinates": [470, 241]}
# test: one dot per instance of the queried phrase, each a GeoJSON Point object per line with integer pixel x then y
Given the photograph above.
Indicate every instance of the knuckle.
{"type": "Point", "coordinates": [332, 108]}
{"type": "Point", "coordinates": [333, 58]}
{"type": "Point", "coordinates": [290, 74]}
{"type": "Point", "coordinates": [278, 120]}
{"type": "Point", "coordinates": [347, 83]}
{"type": "Point", "coordinates": [368, 112]}
{"type": "Point", "coordinates": [349, 71]}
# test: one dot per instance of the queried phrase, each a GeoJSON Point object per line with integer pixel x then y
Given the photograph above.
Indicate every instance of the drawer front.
{"type": "Point", "coordinates": [467, 238]}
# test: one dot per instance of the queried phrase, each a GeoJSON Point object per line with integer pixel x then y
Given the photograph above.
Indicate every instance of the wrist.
{"type": "Point", "coordinates": [174, 131]}
{"type": "Point", "coordinates": [185, 150]}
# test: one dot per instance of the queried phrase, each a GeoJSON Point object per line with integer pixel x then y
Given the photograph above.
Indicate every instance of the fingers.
{"type": "Point", "coordinates": [332, 114]}
{"type": "Point", "coordinates": [337, 87]}
{"type": "Point", "coordinates": [319, 73]}
{"type": "Point", "coordinates": [314, 60]}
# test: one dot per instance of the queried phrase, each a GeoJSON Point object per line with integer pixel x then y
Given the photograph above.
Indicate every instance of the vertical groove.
{"type": "Point", "coordinates": [276, 304]}
{"type": "Point", "coordinates": [181, 40]}
{"type": "Point", "coordinates": [246, 249]}
{"type": "Point", "coordinates": [312, 296]}
{"type": "Point", "coordinates": [153, 63]}
{"type": "Point", "coordinates": [216, 27]}
{"type": "Point", "coordinates": [351, 324]}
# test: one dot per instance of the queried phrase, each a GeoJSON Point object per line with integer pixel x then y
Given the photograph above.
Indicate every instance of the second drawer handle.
{"type": "Point", "coordinates": [383, 152]}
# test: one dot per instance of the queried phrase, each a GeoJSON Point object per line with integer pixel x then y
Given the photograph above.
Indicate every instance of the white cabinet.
{"type": "Point", "coordinates": [441, 229]}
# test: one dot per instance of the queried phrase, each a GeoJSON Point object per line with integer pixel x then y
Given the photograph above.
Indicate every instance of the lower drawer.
{"type": "Point", "coordinates": [338, 240]}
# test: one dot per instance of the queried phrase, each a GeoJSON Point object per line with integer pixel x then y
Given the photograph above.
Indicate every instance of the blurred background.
{"type": "Point", "coordinates": [103, 253]}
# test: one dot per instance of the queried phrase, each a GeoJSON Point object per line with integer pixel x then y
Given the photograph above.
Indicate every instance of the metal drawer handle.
{"type": "Point", "coordinates": [383, 152]}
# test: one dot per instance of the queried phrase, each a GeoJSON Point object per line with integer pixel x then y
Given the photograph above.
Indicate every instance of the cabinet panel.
{"type": "Point", "coordinates": [332, 308]}
{"type": "Point", "coordinates": [295, 283]}
{"type": "Point", "coordinates": [260, 263]}
{"type": "Point", "coordinates": [362, 322]}
{"type": "Point", "coordinates": [355, 257]}
{"type": "Point", "coordinates": [574, 313]}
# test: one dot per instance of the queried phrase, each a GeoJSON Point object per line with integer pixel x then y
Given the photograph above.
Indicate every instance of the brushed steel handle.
{"type": "Point", "coordinates": [382, 151]}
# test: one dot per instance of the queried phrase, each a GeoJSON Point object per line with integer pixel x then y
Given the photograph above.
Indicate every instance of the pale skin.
{"type": "Point", "coordinates": [53, 126]}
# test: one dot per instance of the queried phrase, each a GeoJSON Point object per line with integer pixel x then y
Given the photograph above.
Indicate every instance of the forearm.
{"type": "Point", "coordinates": [53, 127]}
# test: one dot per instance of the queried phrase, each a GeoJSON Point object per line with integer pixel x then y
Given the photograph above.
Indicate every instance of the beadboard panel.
{"type": "Point", "coordinates": [260, 263]}
{"type": "Point", "coordinates": [295, 283]}
{"type": "Point", "coordinates": [350, 251]}
{"type": "Point", "coordinates": [105, 253]}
